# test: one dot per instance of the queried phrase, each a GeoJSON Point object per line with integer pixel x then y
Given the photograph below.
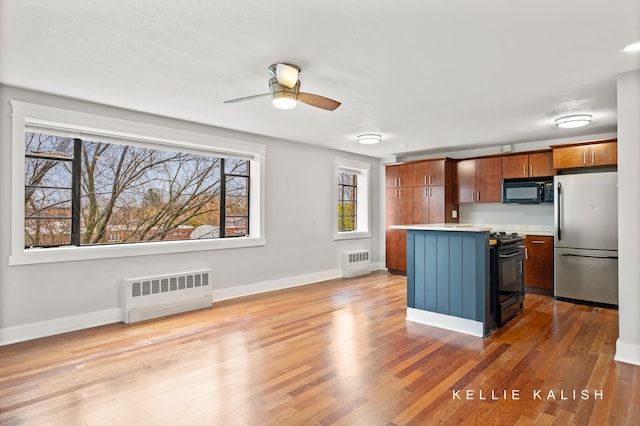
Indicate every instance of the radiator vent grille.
{"type": "Point", "coordinates": [356, 263]}
{"type": "Point", "coordinates": [151, 297]}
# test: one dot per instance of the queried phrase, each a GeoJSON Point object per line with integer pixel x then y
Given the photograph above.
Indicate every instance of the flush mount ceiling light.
{"type": "Point", "coordinates": [369, 138]}
{"type": "Point", "coordinates": [572, 121]}
{"type": "Point", "coordinates": [633, 47]}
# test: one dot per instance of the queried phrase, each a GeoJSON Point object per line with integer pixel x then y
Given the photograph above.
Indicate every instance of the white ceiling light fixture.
{"type": "Point", "coordinates": [369, 138]}
{"type": "Point", "coordinates": [633, 47]}
{"type": "Point", "coordinates": [573, 121]}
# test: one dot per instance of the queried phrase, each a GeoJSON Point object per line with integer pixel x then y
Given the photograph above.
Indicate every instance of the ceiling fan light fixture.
{"type": "Point", "coordinates": [369, 138]}
{"type": "Point", "coordinates": [287, 75]}
{"type": "Point", "coordinates": [573, 121]}
{"type": "Point", "coordinates": [283, 97]}
{"type": "Point", "coordinates": [283, 102]}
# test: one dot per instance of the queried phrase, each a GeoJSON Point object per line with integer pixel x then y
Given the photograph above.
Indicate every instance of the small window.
{"type": "Point", "coordinates": [352, 185]}
{"type": "Point", "coordinates": [347, 201]}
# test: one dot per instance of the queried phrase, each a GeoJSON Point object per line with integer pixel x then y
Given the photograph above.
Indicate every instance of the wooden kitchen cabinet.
{"type": "Point", "coordinates": [537, 164]}
{"type": "Point", "coordinates": [396, 250]}
{"type": "Point", "coordinates": [429, 204]}
{"type": "Point", "coordinates": [479, 180]}
{"type": "Point", "coordinates": [399, 206]}
{"type": "Point", "coordinates": [585, 155]}
{"type": "Point", "coordinates": [399, 176]}
{"type": "Point", "coordinates": [427, 198]}
{"type": "Point", "coordinates": [398, 211]}
{"type": "Point", "coordinates": [427, 173]}
{"type": "Point", "coordinates": [538, 262]}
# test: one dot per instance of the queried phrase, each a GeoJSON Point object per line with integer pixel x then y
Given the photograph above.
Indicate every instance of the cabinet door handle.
{"type": "Point", "coordinates": [425, 180]}
{"type": "Point", "coordinates": [593, 157]}
{"type": "Point", "coordinates": [478, 196]}
{"type": "Point", "coordinates": [429, 179]}
{"type": "Point", "coordinates": [399, 181]}
{"type": "Point", "coordinates": [526, 253]}
{"type": "Point", "coordinates": [524, 170]}
{"type": "Point", "coordinates": [429, 192]}
{"type": "Point", "coordinates": [426, 192]}
{"type": "Point", "coordinates": [584, 158]}
{"type": "Point", "coordinates": [530, 169]}
{"type": "Point", "coordinates": [537, 242]}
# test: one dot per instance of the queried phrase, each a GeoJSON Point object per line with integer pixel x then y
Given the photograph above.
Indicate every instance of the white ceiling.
{"type": "Point", "coordinates": [430, 76]}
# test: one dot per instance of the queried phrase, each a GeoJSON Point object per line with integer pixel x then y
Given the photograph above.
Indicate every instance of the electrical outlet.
{"type": "Point", "coordinates": [454, 214]}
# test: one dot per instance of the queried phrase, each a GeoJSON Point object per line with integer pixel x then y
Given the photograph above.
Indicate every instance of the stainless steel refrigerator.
{"type": "Point", "coordinates": [586, 237]}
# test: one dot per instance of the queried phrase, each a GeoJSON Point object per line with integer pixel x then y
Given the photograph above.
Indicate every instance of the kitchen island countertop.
{"type": "Point", "coordinates": [460, 227]}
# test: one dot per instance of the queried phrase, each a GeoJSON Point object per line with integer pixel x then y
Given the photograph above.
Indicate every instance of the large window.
{"type": "Point", "coordinates": [83, 192]}
{"type": "Point", "coordinates": [352, 184]}
{"type": "Point", "coordinates": [91, 189]}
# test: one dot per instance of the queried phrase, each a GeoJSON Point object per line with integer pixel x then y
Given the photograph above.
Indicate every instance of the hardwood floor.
{"type": "Point", "coordinates": [336, 352]}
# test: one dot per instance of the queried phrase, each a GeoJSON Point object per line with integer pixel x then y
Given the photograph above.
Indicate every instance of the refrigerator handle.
{"type": "Point", "coordinates": [587, 255]}
{"type": "Point", "coordinates": [559, 186]}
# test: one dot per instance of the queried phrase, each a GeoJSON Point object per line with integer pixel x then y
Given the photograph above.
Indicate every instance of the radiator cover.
{"type": "Point", "coordinates": [356, 263]}
{"type": "Point", "coordinates": [156, 296]}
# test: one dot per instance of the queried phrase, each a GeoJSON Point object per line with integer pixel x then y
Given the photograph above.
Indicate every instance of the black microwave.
{"type": "Point", "coordinates": [527, 191]}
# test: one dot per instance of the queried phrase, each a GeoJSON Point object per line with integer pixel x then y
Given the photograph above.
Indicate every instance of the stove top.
{"type": "Point", "coordinates": [504, 238]}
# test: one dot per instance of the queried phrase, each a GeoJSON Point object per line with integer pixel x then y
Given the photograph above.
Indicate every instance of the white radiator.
{"type": "Point", "coordinates": [153, 297]}
{"type": "Point", "coordinates": [356, 263]}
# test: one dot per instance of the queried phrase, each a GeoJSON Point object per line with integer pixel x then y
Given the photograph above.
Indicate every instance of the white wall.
{"type": "Point", "coordinates": [628, 344]}
{"type": "Point", "coordinates": [507, 214]}
{"type": "Point", "coordinates": [300, 203]}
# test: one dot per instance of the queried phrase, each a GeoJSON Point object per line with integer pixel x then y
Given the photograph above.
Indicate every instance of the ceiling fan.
{"type": "Point", "coordinates": [284, 88]}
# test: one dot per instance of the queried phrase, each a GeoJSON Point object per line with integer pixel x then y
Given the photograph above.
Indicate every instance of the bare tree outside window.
{"type": "Point", "coordinates": [347, 202]}
{"type": "Point", "coordinates": [128, 193]}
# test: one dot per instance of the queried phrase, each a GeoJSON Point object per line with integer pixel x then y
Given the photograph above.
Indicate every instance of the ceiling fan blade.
{"type": "Point", "coordinates": [246, 98]}
{"type": "Point", "coordinates": [318, 101]}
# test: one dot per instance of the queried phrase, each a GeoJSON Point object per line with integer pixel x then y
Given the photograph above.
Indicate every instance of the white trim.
{"type": "Point", "coordinates": [363, 213]}
{"type": "Point", "coordinates": [353, 235]}
{"type": "Point", "coordinates": [448, 322]}
{"type": "Point", "coordinates": [52, 327]}
{"type": "Point", "coordinates": [79, 123]}
{"type": "Point", "coordinates": [627, 353]}
{"type": "Point", "coordinates": [73, 253]}
{"type": "Point", "coordinates": [276, 284]}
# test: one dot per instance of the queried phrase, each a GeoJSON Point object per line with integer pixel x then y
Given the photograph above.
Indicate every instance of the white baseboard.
{"type": "Point", "coordinates": [52, 327]}
{"type": "Point", "coordinates": [627, 353]}
{"type": "Point", "coordinates": [461, 325]}
{"type": "Point", "coordinates": [277, 284]}
{"type": "Point", "coordinates": [378, 266]}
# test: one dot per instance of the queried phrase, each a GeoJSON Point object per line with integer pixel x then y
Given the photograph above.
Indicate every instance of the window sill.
{"type": "Point", "coordinates": [72, 253]}
{"type": "Point", "coordinates": [351, 235]}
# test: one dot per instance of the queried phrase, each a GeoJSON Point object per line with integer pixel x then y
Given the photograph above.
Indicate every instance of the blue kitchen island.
{"type": "Point", "coordinates": [448, 277]}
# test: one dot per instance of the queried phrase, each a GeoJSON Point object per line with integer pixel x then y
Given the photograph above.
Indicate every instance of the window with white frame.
{"type": "Point", "coordinates": [352, 186]}
{"type": "Point", "coordinates": [96, 182]}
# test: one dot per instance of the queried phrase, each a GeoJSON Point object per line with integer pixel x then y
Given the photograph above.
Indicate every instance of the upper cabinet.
{"type": "Point", "coordinates": [479, 180]}
{"type": "Point", "coordinates": [428, 173]}
{"type": "Point", "coordinates": [538, 164]}
{"type": "Point", "coordinates": [399, 176]}
{"type": "Point", "coordinates": [585, 155]}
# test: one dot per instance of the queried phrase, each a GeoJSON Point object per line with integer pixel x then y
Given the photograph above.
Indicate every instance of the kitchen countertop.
{"type": "Point", "coordinates": [460, 227]}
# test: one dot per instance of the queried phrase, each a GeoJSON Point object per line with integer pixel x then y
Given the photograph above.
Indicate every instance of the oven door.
{"type": "Point", "coordinates": [510, 272]}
